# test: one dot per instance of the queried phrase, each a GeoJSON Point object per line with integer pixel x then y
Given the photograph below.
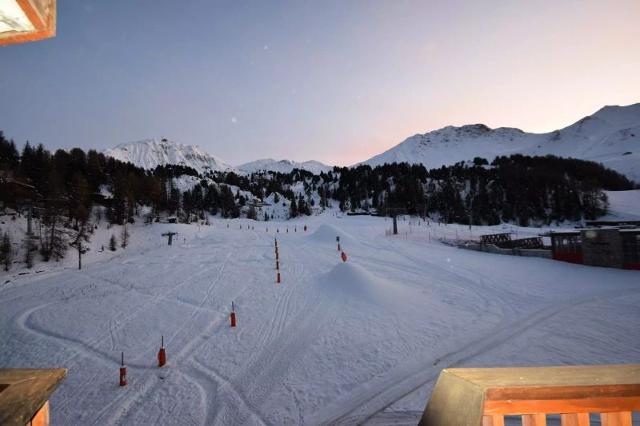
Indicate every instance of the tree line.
{"type": "Point", "coordinates": [70, 192]}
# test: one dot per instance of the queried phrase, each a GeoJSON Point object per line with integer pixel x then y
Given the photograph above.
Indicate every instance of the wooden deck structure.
{"type": "Point", "coordinates": [24, 395]}
{"type": "Point", "coordinates": [525, 243]}
{"type": "Point", "coordinates": [495, 238]}
{"type": "Point", "coordinates": [484, 396]}
{"type": "Point", "coordinates": [23, 21]}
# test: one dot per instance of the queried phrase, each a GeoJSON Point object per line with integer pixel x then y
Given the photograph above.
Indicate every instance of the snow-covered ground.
{"type": "Point", "coordinates": [623, 205]}
{"type": "Point", "coordinates": [334, 343]}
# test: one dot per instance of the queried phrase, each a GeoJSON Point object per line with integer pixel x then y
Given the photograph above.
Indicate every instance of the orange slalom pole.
{"type": "Point", "coordinates": [232, 316]}
{"type": "Point", "coordinates": [123, 372]}
{"type": "Point", "coordinates": [162, 355]}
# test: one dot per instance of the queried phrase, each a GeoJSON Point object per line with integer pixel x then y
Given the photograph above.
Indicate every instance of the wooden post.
{"type": "Point", "coordinates": [616, 419]}
{"type": "Point", "coordinates": [539, 419]}
{"type": "Point", "coordinates": [496, 420]}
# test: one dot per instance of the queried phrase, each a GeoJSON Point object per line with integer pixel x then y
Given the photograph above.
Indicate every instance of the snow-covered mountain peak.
{"type": "Point", "coordinates": [466, 132]}
{"type": "Point", "coordinates": [151, 153]}
{"type": "Point", "coordinates": [283, 166]}
{"type": "Point", "coordinates": [604, 137]}
{"type": "Point", "coordinates": [620, 116]}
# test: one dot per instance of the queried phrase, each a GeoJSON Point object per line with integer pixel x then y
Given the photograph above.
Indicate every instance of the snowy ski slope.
{"type": "Point", "coordinates": [334, 343]}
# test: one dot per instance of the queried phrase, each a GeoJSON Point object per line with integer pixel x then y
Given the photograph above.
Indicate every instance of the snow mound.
{"type": "Point", "coordinates": [327, 234]}
{"type": "Point", "coordinates": [354, 281]}
{"type": "Point", "coordinates": [623, 205]}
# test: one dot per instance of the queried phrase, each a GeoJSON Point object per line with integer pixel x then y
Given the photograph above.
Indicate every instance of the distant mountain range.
{"type": "Point", "coordinates": [283, 166]}
{"type": "Point", "coordinates": [610, 136]}
{"type": "Point", "coordinates": [150, 153]}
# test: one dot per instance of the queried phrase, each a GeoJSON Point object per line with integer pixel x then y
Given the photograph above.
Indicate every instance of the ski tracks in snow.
{"type": "Point", "coordinates": [372, 398]}
{"type": "Point", "coordinates": [270, 367]}
{"type": "Point", "coordinates": [283, 341]}
{"type": "Point", "coordinates": [109, 415]}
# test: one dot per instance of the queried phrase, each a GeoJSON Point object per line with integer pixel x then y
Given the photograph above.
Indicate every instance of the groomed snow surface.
{"type": "Point", "coordinates": [334, 343]}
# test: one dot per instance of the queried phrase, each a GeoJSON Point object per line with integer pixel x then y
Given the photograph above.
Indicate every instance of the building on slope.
{"type": "Point", "coordinates": [614, 247]}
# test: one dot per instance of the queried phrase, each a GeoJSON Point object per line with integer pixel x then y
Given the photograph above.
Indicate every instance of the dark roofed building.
{"type": "Point", "coordinates": [608, 247]}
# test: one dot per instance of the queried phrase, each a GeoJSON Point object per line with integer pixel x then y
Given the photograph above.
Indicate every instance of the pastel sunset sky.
{"type": "Point", "coordinates": [334, 81]}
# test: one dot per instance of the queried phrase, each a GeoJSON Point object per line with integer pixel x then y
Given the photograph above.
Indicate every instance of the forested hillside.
{"type": "Point", "coordinates": [69, 192]}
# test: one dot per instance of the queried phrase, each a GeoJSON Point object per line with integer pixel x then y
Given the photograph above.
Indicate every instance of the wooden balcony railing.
{"type": "Point", "coordinates": [484, 396]}
{"type": "Point", "coordinates": [24, 395]}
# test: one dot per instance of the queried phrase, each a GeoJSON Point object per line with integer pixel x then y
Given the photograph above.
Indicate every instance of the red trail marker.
{"type": "Point", "coordinates": [162, 355]}
{"type": "Point", "coordinates": [232, 317]}
{"type": "Point", "coordinates": [123, 372]}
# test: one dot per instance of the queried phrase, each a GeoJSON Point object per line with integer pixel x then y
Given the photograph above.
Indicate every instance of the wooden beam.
{"type": "Point", "coordinates": [23, 37]}
{"type": "Point", "coordinates": [556, 391]}
{"type": "Point", "coordinates": [32, 14]}
{"type": "Point", "coordinates": [568, 406]}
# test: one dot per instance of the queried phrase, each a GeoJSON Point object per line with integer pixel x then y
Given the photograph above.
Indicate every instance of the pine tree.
{"type": "Point", "coordinates": [80, 210]}
{"type": "Point", "coordinates": [124, 236]}
{"type": "Point", "coordinates": [323, 197]}
{"type": "Point", "coordinates": [54, 244]}
{"type": "Point", "coordinates": [81, 236]}
{"type": "Point", "coordinates": [293, 208]}
{"type": "Point", "coordinates": [251, 213]}
{"type": "Point", "coordinates": [28, 251]}
{"type": "Point", "coordinates": [6, 252]}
